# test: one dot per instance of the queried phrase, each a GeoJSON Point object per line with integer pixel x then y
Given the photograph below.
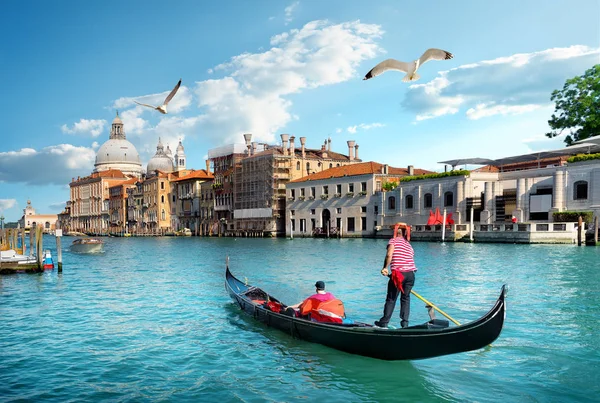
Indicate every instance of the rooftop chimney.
{"type": "Point", "coordinates": [356, 152]}
{"type": "Point", "coordinates": [351, 149]}
{"type": "Point", "coordinates": [284, 143]}
{"type": "Point", "coordinates": [384, 169]}
{"type": "Point", "coordinates": [329, 144]}
{"type": "Point", "coordinates": [292, 146]}
{"type": "Point", "coordinates": [411, 170]}
{"type": "Point", "coordinates": [253, 148]}
{"type": "Point", "coordinates": [248, 138]}
{"type": "Point", "coordinates": [303, 142]}
{"type": "Point", "coordinates": [207, 166]}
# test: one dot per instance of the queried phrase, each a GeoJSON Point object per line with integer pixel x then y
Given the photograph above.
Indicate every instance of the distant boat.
{"type": "Point", "coordinates": [87, 245]}
{"type": "Point", "coordinates": [184, 232]}
{"type": "Point", "coordinates": [48, 263]}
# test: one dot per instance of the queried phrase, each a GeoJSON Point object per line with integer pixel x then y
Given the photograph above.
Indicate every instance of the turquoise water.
{"type": "Point", "coordinates": [149, 320]}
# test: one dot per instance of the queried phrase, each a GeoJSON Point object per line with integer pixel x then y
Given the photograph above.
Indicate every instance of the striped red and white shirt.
{"type": "Point", "coordinates": [403, 256]}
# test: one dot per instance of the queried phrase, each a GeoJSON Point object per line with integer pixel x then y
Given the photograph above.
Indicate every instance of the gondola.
{"type": "Point", "coordinates": [431, 339]}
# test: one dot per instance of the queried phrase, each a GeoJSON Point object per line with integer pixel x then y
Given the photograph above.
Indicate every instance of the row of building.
{"type": "Point", "coordinates": [256, 189]}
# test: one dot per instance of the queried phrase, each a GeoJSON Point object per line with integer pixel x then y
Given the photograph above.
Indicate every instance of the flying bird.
{"type": "Point", "coordinates": [163, 108]}
{"type": "Point", "coordinates": [409, 68]}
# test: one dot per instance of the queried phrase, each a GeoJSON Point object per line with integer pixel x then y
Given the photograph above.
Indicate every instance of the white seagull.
{"type": "Point", "coordinates": [409, 68]}
{"type": "Point", "coordinates": [163, 108]}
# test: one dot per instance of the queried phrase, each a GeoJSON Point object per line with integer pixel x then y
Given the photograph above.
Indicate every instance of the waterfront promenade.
{"type": "Point", "coordinates": [150, 320]}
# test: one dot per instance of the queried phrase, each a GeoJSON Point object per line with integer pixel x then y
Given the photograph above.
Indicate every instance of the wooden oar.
{"type": "Point", "coordinates": [434, 307]}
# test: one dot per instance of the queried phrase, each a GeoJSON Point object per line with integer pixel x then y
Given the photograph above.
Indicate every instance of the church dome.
{"type": "Point", "coordinates": [161, 161]}
{"type": "Point", "coordinates": [118, 152]}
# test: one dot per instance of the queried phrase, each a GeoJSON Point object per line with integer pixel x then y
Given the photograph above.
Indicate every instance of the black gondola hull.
{"type": "Point", "coordinates": [410, 343]}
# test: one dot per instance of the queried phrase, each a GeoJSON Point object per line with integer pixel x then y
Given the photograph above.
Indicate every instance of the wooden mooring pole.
{"type": "Point", "coordinates": [596, 230]}
{"type": "Point", "coordinates": [579, 230]}
{"type": "Point", "coordinates": [58, 234]}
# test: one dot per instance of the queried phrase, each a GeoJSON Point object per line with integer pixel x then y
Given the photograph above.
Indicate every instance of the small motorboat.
{"type": "Point", "coordinates": [12, 257]}
{"type": "Point", "coordinates": [87, 245]}
{"type": "Point", "coordinates": [184, 232]}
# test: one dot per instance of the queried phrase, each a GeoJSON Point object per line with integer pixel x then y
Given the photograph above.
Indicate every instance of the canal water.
{"type": "Point", "coordinates": [150, 320]}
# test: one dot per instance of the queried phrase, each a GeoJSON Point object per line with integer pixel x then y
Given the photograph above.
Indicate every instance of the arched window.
{"type": "Point", "coordinates": [163, 215]}
{"type": "Point", "coordinates": [297, 165]}
{"type": "Point", "coordinates": [408, 201]}
{"type": "Point", "coordinates": [580, 190]}
{"type": "Point", "coordinates": [392, 203]}
{"type": "Point", "coordinates": [428, 200]}
{"type": "Point", "coordinates": [162, 199]}
{"type": "Point", "coordinates": [448, 199]}
{"type": "Point", "coordinates": [307, 167]}
{"type": "Point", "coordinates": [330, 165]}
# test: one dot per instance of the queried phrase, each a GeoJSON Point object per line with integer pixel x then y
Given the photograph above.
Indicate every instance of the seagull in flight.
{"type": "Point", "coordinates": [163, 108]}
{"type": "Point", "coordinates": [409, 68]}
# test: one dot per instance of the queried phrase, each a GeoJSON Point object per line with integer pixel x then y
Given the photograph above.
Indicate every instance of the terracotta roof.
{"type": "Point", "coordinates": [199, 174]}
{"type": "Point", "coordinates": [309, 152]}
{"type": "Point", "coordinates": [360, 168]}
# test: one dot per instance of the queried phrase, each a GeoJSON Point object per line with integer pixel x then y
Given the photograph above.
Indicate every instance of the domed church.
{"type": "Point", "coordinates": [162, 160]}
{"type": "Point", "coordinates": [118, 153]}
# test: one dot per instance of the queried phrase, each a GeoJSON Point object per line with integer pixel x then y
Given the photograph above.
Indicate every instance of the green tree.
{"type": "Point", "coordinates": [577, 107]}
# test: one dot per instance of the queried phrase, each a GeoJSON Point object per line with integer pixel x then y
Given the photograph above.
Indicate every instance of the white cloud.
{"type": "Point", "coordinates": [363, 126]}
{"type": "Point", "coordinates": [252, 97]}
{"type": "Point", "coordinates": [51, 165]}
{"type": "Point", "coordinates": [92, 127]}
{"type": "Point", "coordinates": [289, 10]}
{"type": "Point", "coordinates": [485, 110]}
{"type": "Point", "coordinates": [509, 85]}
{"type": "Point", "coordinates": [6, 204]}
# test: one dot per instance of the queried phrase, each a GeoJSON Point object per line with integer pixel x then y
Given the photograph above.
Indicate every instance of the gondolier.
{"type": "Point", "coordinates": [400, 259]}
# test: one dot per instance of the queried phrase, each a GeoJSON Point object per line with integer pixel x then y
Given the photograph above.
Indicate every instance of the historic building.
{"type": "Point", "coordinates": [118, 153]}
{"type": "Point", "coordinates": [117, 204]}
{"type": "Point", "coordinates": [342, 201]}
{"type": "Point", "coordinates": [193, 205]}
{"type": "Point", "coordinates": [31, 219]}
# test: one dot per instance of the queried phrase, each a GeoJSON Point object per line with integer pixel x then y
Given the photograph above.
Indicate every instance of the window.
{"type": "Point", "coordinates": [330, 165]}
{"type": "Point", "coordinates": [297, 165]}
{"type": "Point", "coordinates": [338, 210]}
{"type": "Point", "coordinates": [376, 209]}
{"type": "Point", "coordinates": [408, 201]}
{"type": "Point", "coordinates": [363, 186]}
{"type": "Point", "coordinates": [293, 193]}
{"type": "Point", "coordinates": [308, 167]}
{"type": "Point", "coordinates": [313, 224]}
{"type": "Point", "coordinates": [293, 225]}
{"type": "Point", "coordinates": [363, 223]}
{"type": "Point", "coordinates": [351, 187]}
{"type": "Point", "coordinates": [338, 189]}
{"type": "Point", "coordinates": [163, 215]}
{"type": "Point", "coordinates": [580, 190]}
{"type": "Point", "coordinates": [162, 199]}
{"type": "Point", "coordinates": [325, 190]}
{"type": "Point", "coordinates": [363, 209]}
{"type": "Point", "coordinates": [292, 212]}
{"type": "Point", "coordinates": [392, 203]}
{"type": "Point", "coordinates": [302, 192]}
{"type": "Point", "coordinates": [162, 185]}
{"type": "Point", "coordinates": [378, 186]}
{"type": "Point", "coordinates": [350, 227]}
{"type": "Point", "coordinates": [312, 211]}
{"type": "Point", "coordinates": [303, 225]}
{"type": "Point", "coordinates": [312, 192]}
{"type": "Point", "coordinates": [427, 200]}
{"type": "Point", "coordinates": [448, 199]}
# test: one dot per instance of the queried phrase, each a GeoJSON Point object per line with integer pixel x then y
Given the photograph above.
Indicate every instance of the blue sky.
{"type": "Point", "coordinates": [272, 67]}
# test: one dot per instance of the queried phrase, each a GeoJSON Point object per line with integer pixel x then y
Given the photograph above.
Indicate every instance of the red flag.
{"type": "Point", "coordinates": [438, 217]}
{"type": "Point", "coordinates": [431, 220]}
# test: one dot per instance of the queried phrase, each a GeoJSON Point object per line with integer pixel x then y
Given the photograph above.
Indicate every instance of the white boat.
{"type": "Point", "coordinates": [11, 256]}
{"type": "Point", "coordinates": [184, 232]}
{"type": "Point", "coordinates": [87, 245]}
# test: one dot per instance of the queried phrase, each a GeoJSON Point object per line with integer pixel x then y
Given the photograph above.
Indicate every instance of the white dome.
{"type": "Point", "coordinates": [118, 154]}
{"type": "Point", "coordinates": [161, 163]}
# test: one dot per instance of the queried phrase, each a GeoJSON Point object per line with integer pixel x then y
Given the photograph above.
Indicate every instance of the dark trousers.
{"type": "Point", "coordinates": [392, 297]}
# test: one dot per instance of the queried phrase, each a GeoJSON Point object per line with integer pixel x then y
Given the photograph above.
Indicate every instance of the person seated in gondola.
{"type": "Point", "coordinates": [320, 307]}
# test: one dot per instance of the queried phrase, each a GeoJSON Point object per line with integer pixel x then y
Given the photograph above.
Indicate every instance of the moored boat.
{"type": "Point", "coordinates": [87, 245]}
{"type": "Point", "coordinates": [11, 256]}
{"type": "Point", "coordinates": [431, 339]}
